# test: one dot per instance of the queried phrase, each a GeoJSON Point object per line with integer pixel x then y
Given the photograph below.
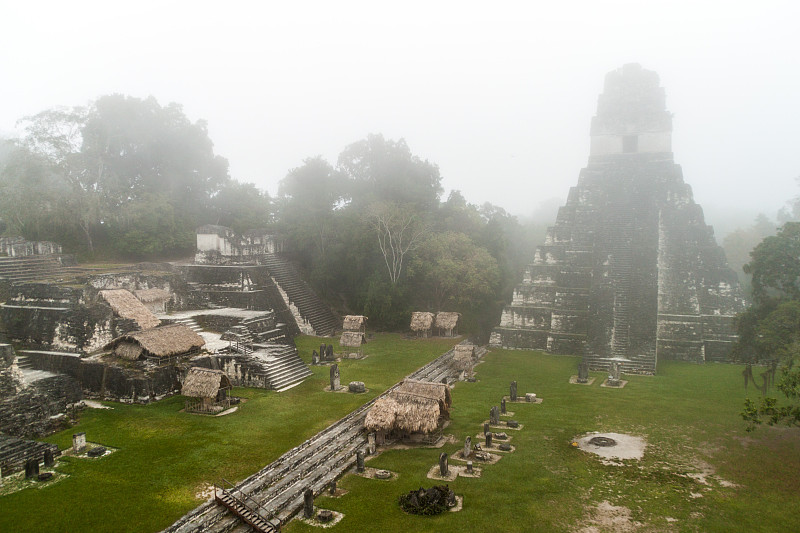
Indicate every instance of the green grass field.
{"type": "Point", "coordinates": [700, 471]}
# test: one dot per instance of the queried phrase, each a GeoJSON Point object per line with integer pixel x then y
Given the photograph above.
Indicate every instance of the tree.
{"type": "Point", "coordinates": [309, 194]}
{"type": "Point", "coordinates": [455, 272]}
{"type": "Point", "coordinates": [399, 229]}
{"type": "Point", "coordinates": [383, 170]}
{"type": "Point", "coordinates": [775, 265]}
{"type": "Point", "coordinates": [770, 329]}
{"type": "Point", "coordinates": [106, 160]}
{"type": "Point", "coordinates": [240, 206]}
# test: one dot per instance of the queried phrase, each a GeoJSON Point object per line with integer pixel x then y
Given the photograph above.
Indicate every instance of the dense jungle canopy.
{"type": "Point", "coordinates": [128, 179]}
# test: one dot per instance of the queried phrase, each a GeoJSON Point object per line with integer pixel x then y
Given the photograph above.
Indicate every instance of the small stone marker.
{"type": "Point", "coordinates": [335, 384]}
{"type": "Point", "coordinates": [308, 503]}
{"type": "Point", "coordinates": [494, 416]}
{"type": "Point", "coordinates": [329, 352]}
{"type": "Point", "coordinates": [332, 487]}
{"type": "Point", "coordinates": [97, 451]}
{"type": "Point", "coordinates": [501, 436]}
{"type": "Point", "coordinates": [503, 406]}
{"type": "Point", "coordinates": [321, 352]}
{"type": "Point", "coordinates": [489, 439]}
{"type": "Point", "coordinates": [486, 428]}
{"type": "Point", "coordinates": [506, 447]}
{"type": "Point", "coordinates": [325, 515]}
{"type": "Point", "coordinates": [44, 476]}
{"type": "Point", "coordinates": [613, 374]}
{"type": "Point", "coordinates": [360, 461]}
{"type": "Point", "coordinates": [583, 372]}
{"type": "Point", "coordinates": [382, 474]}
{"type": "Point", "coordinates": [49, 460]}
{"type": "Point", "coordinates": [469, 467]}
{"type": "Point", "coordinates": [467, 447]}
{"type": "Point", "coordinates": [314, 358]}
{"type": "Point", "coordinates": [357, 386]}
{"type": "Point", "coordinates": [31, 468]}
{"type": "Point", "coordinates": [513, 391]}
{"type": "Point", "coordinates": [512, 424]}
{"type": "Point", "coordinates": [371, 443]}
{"type": "Point", "coordinates": [443, 470]}
{"type": "Point", "coordinates": [530, 397]}
{"type": "Point", "coordinates": [79, 442]}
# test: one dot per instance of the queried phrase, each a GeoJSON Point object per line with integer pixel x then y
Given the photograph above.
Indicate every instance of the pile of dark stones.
{"type": "Point", "coordinates": [428, 502]}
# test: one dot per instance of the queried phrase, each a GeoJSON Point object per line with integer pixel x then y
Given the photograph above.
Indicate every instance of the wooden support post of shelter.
{"type": "Point", "coordinates": [447, 323]}
{"type": "Point", "coordinates": [208, 389]}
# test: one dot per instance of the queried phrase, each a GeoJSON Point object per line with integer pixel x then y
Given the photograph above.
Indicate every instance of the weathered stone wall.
{"type": "Point", "coordinates": [108, 378]}
{"type": "Point", "coordinates": [40, 408]}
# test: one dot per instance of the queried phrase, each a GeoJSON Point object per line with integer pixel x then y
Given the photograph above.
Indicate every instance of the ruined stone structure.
{"type": "Point", "coordinates": [255, 258]}
{"type": "Point", "coordinates": [630, 272]}
{"type": "Point", "coordinates": [219, 244]}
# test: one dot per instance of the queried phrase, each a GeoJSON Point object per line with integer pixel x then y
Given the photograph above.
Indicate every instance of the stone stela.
{"type": "Point", "coordinates": [335, 384]}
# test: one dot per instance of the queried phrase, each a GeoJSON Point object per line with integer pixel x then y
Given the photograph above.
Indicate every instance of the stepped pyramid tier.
{"type": "Point", "coordinates": [630, 271]}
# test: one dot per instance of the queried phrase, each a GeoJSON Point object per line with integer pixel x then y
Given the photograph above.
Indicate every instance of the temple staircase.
{"type": "Point", "coordinates": [283, 367]}
{"type": "Point", "coordinates": [310, 306]}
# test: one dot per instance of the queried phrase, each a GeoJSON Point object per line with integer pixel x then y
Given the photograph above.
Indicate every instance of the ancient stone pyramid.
{"type": "Point", "coordinates": [630, 271]}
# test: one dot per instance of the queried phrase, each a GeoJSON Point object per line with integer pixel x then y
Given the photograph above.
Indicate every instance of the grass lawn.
{"type": "Point", "coordinates": [165, 457]}
{"type": "Point", "coordinates": [700, 471]}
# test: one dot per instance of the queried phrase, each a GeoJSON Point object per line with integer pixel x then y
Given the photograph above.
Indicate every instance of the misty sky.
{"type": "Point", "coordinates": [499, 95]}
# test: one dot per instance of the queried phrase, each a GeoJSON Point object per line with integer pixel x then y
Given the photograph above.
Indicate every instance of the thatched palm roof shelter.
{"type": "Point", "coordinates": [352, 339]}
{"type": "Point", "coordinates": [154, 299]}
{"type": "Point", "coordinates": [354, 323]}
{"type": "Point", "coordinates": [413, 407]}
{"type": "Point", "coordinates": [125, 304]}
{"type": "Point", "coordinates": [421, 322]}
{"type": "Point", "coordinates": [446, 322]}
{"type": "Point", "coordinates": [166, 341]}
{"type": "Point", "coordinates": [205, 383]}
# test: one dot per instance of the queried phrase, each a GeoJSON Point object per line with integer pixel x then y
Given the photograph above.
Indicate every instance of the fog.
{"type": "Point", "coordinates": [500, 96]}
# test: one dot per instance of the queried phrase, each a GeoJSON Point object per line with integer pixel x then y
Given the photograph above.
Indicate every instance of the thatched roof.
{"type": "Point", "coordinates": [126, 305]}
{"type": "Point", "coordinates": [439, 392]}
{"type": "Point", "coordinates": [446, 319]}
{"type": "Point", "coordinates": [152, 295]}
{"type": "Point", "coordinates": [414, 406]}
{"type": "Point", "coordinates": [421, 320]}
{"type": "Point", "coordinates": [166, 341]}
{"type": "Point", "coordinates": [204, 382]}
{"type": "Point", "coordinates": [354, 322]}
{"type": "Point", "coordinates": [352, 339]}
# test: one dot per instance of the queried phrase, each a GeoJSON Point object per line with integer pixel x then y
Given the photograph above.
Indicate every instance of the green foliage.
{"type": "Point", "coordinates": [770, 329]}
{"type": "Point", "coordinates": [118, 173]}
{"type": "Point", "coordinates": [775, 265]}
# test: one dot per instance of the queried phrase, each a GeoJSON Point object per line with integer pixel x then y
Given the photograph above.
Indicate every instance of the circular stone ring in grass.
{"type": "Point", "coordinates": [613, 445]}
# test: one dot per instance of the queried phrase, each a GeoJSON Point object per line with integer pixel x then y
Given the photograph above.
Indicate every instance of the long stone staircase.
{"type": "Point", "coordinates": [31, 268]}
{"type": "Point", "coordinates": [278, 488]}
{"type": "Point", "coordinates": [283, 367]}
{"type": "Point", "coordinates": [311, 308]}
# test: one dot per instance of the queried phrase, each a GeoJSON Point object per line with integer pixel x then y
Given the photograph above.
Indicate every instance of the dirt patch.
{"type": "Point", "coordinates": [626, 447]}
{"type": "Point", "coordinates": [607, 517]}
